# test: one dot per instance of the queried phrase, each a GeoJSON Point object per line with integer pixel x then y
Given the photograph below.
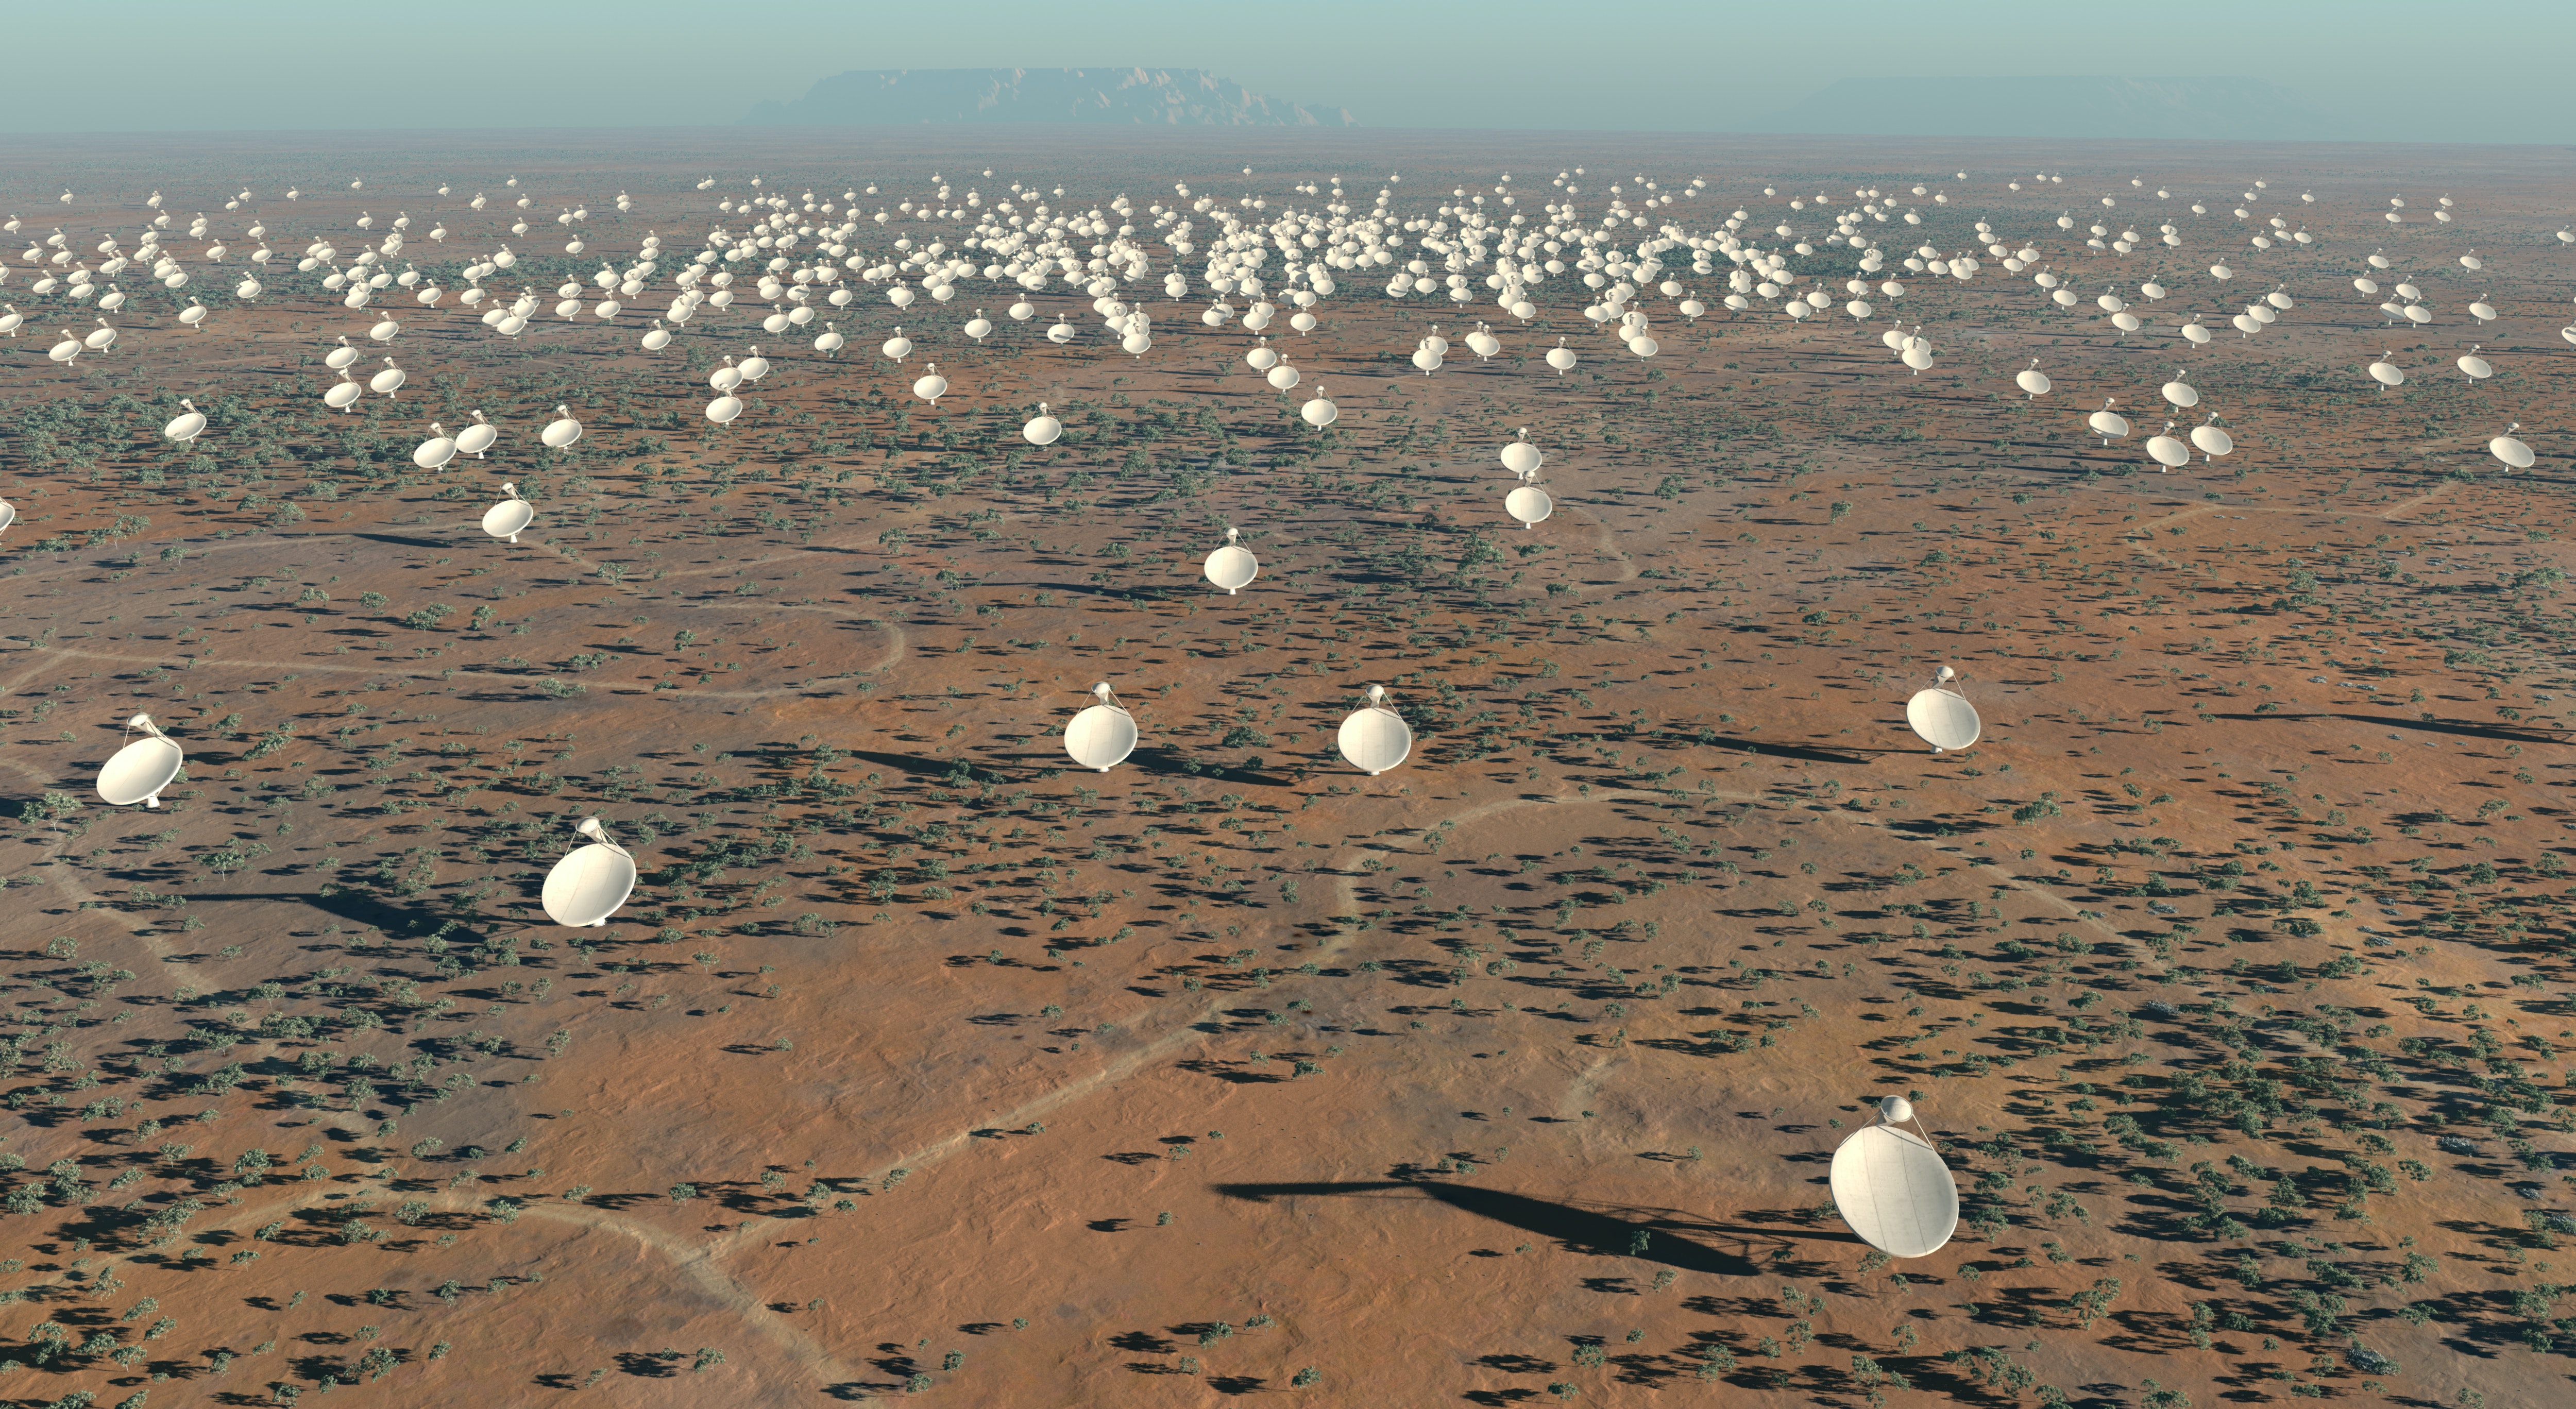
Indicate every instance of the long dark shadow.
{"type": "Point", "coordinates": [1799, 751]}
{"type": "Point", "coordinates": [2500, 732]}
{"type": "Point", "coordinates": [1610, 1231]}
{"type": "Point", "coordinates": [364, 910]}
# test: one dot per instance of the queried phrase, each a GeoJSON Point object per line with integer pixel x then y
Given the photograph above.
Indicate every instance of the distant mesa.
{"type": "Point", "coordinates": [2077, 106]}
{"type": "Point", "coordinates": [1130, 96]}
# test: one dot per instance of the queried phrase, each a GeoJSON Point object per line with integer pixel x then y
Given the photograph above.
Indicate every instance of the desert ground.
{"type": "Point", "coordinates": [2225, 970]}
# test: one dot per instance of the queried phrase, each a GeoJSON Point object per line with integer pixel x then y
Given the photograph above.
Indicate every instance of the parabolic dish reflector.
{"type": "Point", "coordinates": [1529, 504]}
{"type": "Point", "coordinates": [1232, 567]}
{"type": "Point", "coordinates": [588, 885]}
{"type": "Point", "coordinates": [505, 519]}
{"type": "Point", "coordinates": [1892, 1187]}
{"type": "Point", "coordinates": [1375, 740]}
{"type": "Point", "coordinates": [1100, 737]}
{"type": "Point", "coordinates": [139, 771]}
{"type": "Point", "coordinates": [1942, 719]}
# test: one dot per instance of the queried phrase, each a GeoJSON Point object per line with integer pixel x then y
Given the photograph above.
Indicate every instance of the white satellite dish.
{"type": "Point", "coordinates": [588, 885]}
{"type": "Point", "coordinates": [2515, 454]}
{"type": "Point", "coordinates": [8, 513]}
{"type": "Point", "coordinates": [140, 770]}
{"type": "Point", "coordinates": [344, 395]}
{"type": "Point", "coordinates": [1101, 736]}
{"type": "Point", "coordinates": [1893, 1188]}
{"type": "Point", "coordinates": [476, 438]}
{"type": "Point", "coordinates": [1042, 428]}
{"type": "Point", "coordinates": [1375, 738]}
{"type": "Point", "coordinates": [1529, 504]}
{"type": "Point", "coordinates": [2167, 451]}
{"type": "Point", "coordinates": [506, 519]}
{"type": "Point", "coordinates": [1319, 412]}
{"type": "Point", "coordinates": [1943, 717]}
{"type": "Point", "coordinates": [1232, 567]}
{"type": "Point", "coordinates": [188, 425]}
{"type": "Point", "coordinates": [724, 408]}
{"type": "Point", "coordinates": [562, 431]}
{"type": "Point", "coordinates": [435, 452]}
{"type": "Point", "coordinates": [1522, 458]}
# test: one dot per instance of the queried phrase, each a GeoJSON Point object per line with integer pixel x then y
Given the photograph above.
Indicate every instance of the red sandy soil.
{"type": "Point", "coordinates": [1511, 1074]}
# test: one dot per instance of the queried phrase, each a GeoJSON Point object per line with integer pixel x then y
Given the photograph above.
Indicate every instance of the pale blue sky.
{"type": "Point", "coordinates": [2461, 70]}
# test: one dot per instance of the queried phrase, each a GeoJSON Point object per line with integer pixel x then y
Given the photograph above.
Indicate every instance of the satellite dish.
{"type": "Point", "coordinates": [588, 885]}
{"type": "Point", "coordinates": [1942, 717]}
{"type": "Point", "coordinates": [2513, 452]}
{"type": "Point", "coordinates": [931, 387]}
{"type": "Point", "coordinates": [8, 513]}
{"type": "Point", "coordinates": [724, 408]}
{"type": "Point", "coordinates": [140, 770]}
{"type": "Point", "coordinates": [2476, 368]}
{"type": "Point", "coordinates": [1232, 567]}
{"type": "Point", "coordinates": [1319, 412]}
{"type": "Point", "coordinates": [344, 395]}
{"type": "Point", "coordinates": [2212, 441]}
{"type": "Point", "coordinates": [476, 438]}
{"type": "Point", "coordinates": [1375, 738]}
{"type": "Point", "coordinates": [188, 425]}
{"type": "Point", "coordinates": [1522, 458]}
{"type": "Point", "coordinates": [436, 451]}
{"type": "Point", "coordinates": [2165, 450]}
{"type": "Point", "coordinates": [1893, 1188]}
{"type": "Point", "coordinates": [1101, 736]}
{"type": "Point", "coordinates": [1529, 504]}
{"type": "Point", "coordinates": [2108, 424]}
{"type": "Point", "coordinates": [1042, 428]}
{"type": "Point", "coordinates": [506, 519]}
{"type": "Point", "coordinates": [561, 432]}
{"type": "Point", "coordinates": [2181, 393]}
{"type": "Point", "coordinates": [2034, 382]}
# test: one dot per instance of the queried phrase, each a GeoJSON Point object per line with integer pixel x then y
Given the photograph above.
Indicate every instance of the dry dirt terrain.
{"type": "Point", "coordinates": [2226, 970]}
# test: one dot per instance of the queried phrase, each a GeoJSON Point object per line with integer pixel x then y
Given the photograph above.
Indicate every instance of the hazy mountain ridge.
{"type": "Point", "coordinates": [2075, 106]}
{"type": "Point", "coordinates": [1130, 96]}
